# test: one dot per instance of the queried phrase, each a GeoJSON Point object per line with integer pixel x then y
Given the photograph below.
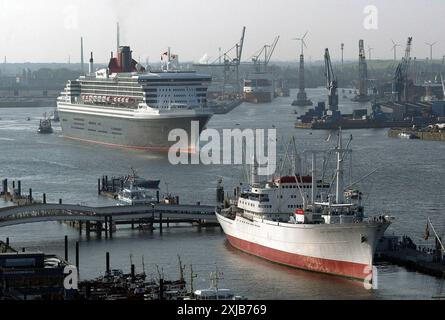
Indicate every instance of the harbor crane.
{"type": "Point", "coordinates": [229, 62]}
{"type": "Point", "coordinates": [331, 82]}
{"type": "Point", "coordinates": [267, 51]}
{"type": "Point", "coordinates": [400, 85]}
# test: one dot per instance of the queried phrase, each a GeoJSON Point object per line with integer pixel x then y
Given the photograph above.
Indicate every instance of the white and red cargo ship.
{"type": "Point", "coordinates": [294, 221]}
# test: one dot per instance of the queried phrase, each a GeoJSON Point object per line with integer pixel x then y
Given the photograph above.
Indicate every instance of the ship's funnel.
{"type": "Point", "coordinates": [125, 59]}
{"type": "Point", "coordinates": [91, 66]}
{"type": "Point", "coordinates": [81, 56]}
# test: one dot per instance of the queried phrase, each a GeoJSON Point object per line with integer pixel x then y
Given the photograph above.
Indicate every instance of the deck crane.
{"type": "Point", "coordinates": [228, 62]}
{"type": "Point", "coordinates": [331, 83]}
{"type": "Point", "coordinates": [266, 50]}
{"type": "Point", "coordinates": [400, 85]}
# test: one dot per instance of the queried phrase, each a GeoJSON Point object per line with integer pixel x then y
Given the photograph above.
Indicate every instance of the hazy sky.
{"type": "Point", "coordinates": [49, 30]}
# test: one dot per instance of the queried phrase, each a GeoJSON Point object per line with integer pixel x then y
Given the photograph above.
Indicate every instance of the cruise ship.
{"type": "Point", "coordinates": [127, 106]}
{"type": "Point", "coordinates": [295, 221]}
{"type": "Point", "coordinates": [259, 88]}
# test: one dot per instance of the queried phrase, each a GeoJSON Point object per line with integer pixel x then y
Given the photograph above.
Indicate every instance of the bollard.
{"type": "Point", "coordinates": [161, 289]}
{"type": "Point", "coordinates": [80, 227]}
{"type": "Point", "coordinates": [19, 191]}
{"type": "Point", "coordinates": [66, 248]}
{"type": "Point", "coordinates": [177, 200]}
{"type": "Point", "coordinates": [5, 187]}
{"type": "Point", "coordinates": [107, 263]}
{"type": "Point", "coordinates": [88, 228]}
{"type": "Point", "coordinates": [133, 273]}
{"type": "Point", "coordinates": [106, 227]}
{"type": "Point", "coordinates": [160, 222]}
{"type": "Point", "coordinates": [44, 198]}
{"type": "Point", "coordinates": [7, 242]}
{"type": "Point", "coordinates": [99, 191]}
{"type": "Point", "coordinates": [77, 256]}
{"type": "Point", "coordinates": [110, 226]}
{"type": "Point", "coordinates": [60, 201]}
{"type": "Point", "coordinates": [99, 228]}
{"type": "Point", "coordinates": [158, 198]}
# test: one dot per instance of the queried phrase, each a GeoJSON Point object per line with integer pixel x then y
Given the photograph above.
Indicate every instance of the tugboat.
{"type": "Point", "coordinates": [45, 126]}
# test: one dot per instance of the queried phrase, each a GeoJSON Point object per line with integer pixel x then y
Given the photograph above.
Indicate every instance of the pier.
{"type": "Point", "coordinates": [422, 135]}
{"type": "Point", "coordinates": [101, 219]}
{"type": "Point", "coordinates": [401, 250]}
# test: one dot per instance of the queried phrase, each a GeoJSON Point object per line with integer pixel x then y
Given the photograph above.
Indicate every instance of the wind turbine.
{"type": "Point", "coordinates": [303, 43]}
{"type": "Point", "coordinates": [394, 48]}
{"type": "Point", "coordinates": [369, 52]}
{"type": "Point", "coordinates": [431, 49]}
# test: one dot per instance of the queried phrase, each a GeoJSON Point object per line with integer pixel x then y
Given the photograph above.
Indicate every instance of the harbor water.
{"type": "Point", "coordinates": [408, 185]}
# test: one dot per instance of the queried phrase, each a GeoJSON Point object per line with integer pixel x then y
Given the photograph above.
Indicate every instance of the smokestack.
{"type": "Point", "coordinates": [118, 38]}
{"type": "Point", "coordinates": [81, 56]}
{"type": "Point", "coordinates": [91, 68]}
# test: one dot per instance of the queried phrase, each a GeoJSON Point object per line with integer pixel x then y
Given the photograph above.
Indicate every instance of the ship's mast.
{"type": "Point", "coordinates": [340, 191]}
{"type": "Point", "coordinates": [314, 177]}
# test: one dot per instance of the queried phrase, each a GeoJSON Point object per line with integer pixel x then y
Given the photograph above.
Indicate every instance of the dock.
{"type": "Point", "coordinates": [402, 251]}
{"type": "Point", "coordinates": [422, 135]}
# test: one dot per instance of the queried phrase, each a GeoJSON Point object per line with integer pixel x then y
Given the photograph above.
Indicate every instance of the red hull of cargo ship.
{"type": "Point", "coordinates": [340, 268]}
{"type": "Point", "coordinates": [258, 97]}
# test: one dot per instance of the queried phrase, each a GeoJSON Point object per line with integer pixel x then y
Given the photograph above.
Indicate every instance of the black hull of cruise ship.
{"type": "Point", "coordinates": [143, 134]}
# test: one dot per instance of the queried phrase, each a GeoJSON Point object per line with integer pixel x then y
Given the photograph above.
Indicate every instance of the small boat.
{"type": "Point", "coordinates": [406, 135]}
{"type": "Point", "coordinates": [45, 126]}
{"type": "Point", "coordinates": [136, 196]}
{"type": "Point", "coordinates": [214, 292]}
